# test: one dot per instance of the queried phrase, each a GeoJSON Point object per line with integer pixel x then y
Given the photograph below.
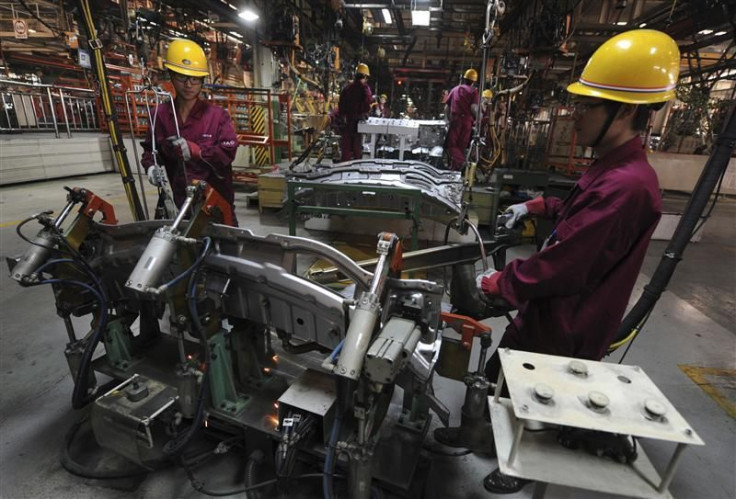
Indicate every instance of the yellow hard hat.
{"type": "Point", "coordinates": [635, 67]}
{"type": "Point", "coordinates": [471, 74]}
{"type": "Point", "coordinates": [363, 69]}
{"type": "Point", "coordinates": [487, 93]}
{"type": "Point", "coordinates": [186, 57]}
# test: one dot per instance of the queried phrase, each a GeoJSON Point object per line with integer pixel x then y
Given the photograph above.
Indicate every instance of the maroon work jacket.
{"type": "Point", "coordinates": [572, 295]}
{"type": "Point", "coordinates": [460, 99]}
{"type": "Point", "coordinates": [355, 101]}
{"type": "Point", "coordinates": [211, 129]}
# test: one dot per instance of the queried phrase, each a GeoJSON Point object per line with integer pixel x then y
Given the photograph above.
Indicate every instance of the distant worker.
{"type": "Point", "coordinates": [486, 108]}
{"type": "Point", "coordinates": [206, 148]}
{"type": "Point", "coordinates": [573, 293]}
{"type": "Point", "coordinates": [380, 109]}
{"type": "Point", "coordinates": [461, 105]}
{"type": "Point", "coordinates": [355, 103]}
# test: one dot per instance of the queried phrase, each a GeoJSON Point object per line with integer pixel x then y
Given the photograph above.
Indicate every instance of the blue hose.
{"type": "Point", "coordinates": [79, 396]}
{"type": "Point", "coordinates": [337, 350]}
{"type": "Point", "coordinates": [328, 471]}
{"type": "Point", "coordinates": [197, 263]}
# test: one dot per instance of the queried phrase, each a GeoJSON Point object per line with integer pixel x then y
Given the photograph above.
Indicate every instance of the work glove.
{"type": "Point", "coordinates": [487, 282]}
{"type": "Point", "coordinates": [185, 149]}
{"type": "Point", "coordinates": [516, 212]}
{"type": "Point", "coordinates": [155, 175]}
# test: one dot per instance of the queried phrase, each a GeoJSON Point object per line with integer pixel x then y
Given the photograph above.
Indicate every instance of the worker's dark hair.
{"type": "Point", "coordinates": [360, 76]}
{"type": "Point", "coordinates": [466, 81]}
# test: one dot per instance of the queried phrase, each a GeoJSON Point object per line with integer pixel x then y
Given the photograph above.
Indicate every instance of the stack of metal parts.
{"type": "Point", "coordinates": [441, 190]}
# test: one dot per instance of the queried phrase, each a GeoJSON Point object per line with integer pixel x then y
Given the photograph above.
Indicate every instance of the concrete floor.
{"type": "Point", "coordinates": [693, 324]}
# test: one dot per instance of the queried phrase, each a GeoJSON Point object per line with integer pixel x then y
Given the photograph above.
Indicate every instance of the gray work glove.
{"type": "Point", "coordinates": [514, 213]}
{"type": "Point", "coordinates": [155, 175]}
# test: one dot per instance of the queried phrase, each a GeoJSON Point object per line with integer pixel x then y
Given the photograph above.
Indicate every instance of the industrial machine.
{"type": "Point", "coordinates": [207, 326]}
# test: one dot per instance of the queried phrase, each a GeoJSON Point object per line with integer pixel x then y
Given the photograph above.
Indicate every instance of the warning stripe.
{"type": "Point", "coordinates": [622, 88]}
{"type": "Point", "coordinates": [261, 154]}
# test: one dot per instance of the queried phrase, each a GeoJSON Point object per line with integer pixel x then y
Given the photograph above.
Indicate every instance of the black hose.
{"type": "Point", "coordinates": [73, 467]}
{"type": "Point", "coordinates": [714, 168]}
{"type": "Point", "coordinates": [254, 460]}
{"type": "Point", "coordinates": [175, 446]}
{"type": "Point", "coordinates": [199, 486]}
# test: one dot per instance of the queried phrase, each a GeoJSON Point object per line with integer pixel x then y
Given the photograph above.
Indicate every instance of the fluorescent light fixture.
{"type": "Point", "coordinates": [31, 30]}
{"type": "Point", "coordinates": [236, 34]}
{"type": "Point", "coordinates": [718, 33]}
{"type": "Point", "coordinates": [705, 31]}
{"type": "Point", "coordinates": [643, 25]}
{"type": "Point", "coordinates": [621, 23]}
{"type": "Point", "coordinates": [386, 16]}
{"type": "Point", "coordinates": [248, 14]}
{"type": "Point", "coordinates": [420, 18]}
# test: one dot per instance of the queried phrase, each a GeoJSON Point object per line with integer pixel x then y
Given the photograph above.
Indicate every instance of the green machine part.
{"type": "Point", "coordinates": [117, 344]}
{"type": "Point", "coordinates": [222, 381]}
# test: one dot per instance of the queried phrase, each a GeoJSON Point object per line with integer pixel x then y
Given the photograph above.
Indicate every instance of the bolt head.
{"type": "Point", "coordinates": [598, 400]}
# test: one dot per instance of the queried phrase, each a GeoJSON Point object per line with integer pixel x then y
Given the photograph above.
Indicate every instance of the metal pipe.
{"type": "Point", "coordinates": [64, 213]}
{"type": "Point", "coordinates": [69, 328]}
{"type": "Point", "coordinates": [7, 114]}
{"type": "Point", "coordinates": [43, 111]}
{"type": "Point", "coordinates": [517, 440]}
{"type": "Point", "coordinates": [42, 85]}
{"type": "Point", "coordinates": [671, 467]}
{"type": "Point", "coordinates": [53, 111]}
{"type": "Point", "coordinates": [135, 154]}
{"type": "Point", "coordinates": [66, 117]}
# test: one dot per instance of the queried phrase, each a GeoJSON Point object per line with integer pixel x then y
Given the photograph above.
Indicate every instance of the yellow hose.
{"type": "Point", "coordinates": [128, 181]}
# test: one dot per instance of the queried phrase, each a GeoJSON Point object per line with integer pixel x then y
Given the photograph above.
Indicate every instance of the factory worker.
{"type": "Point", "coordinates": [206, 146]}
{"type": "Point", "coordinates": [461, 106]}
{"type": "Point", "coordinates": [572, 295]}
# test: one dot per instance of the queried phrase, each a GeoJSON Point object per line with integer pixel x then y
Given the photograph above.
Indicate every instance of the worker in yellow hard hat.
{"type": "Point", "coordinates": [205, 144]}
{"type": "Point", "coordinates": [461, 106]}
{"type": "Point", "coordinates": [380, 107]}
{"type": "Point", "coordinates": [355, 104]}
{"type": "Point", "coordinates": [573, 293]}
{"type": "Point", "coordinates": [486, 109]}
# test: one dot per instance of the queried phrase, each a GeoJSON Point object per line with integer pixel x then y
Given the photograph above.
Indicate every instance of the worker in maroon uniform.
{"type": "Point", "coordinates": [380, 109]}
{"type": "Point", "coordinates": [355, 103]}
{"type": "Point", "coordinates": [205, 146]}
{"type": "Point", "coordinates": [572, 294]}
{"type": "Point", "coordinates": [461, 106]}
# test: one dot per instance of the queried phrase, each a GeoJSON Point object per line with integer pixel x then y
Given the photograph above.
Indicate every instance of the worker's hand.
{"type": "Point", "coordinates": [487, 282]}
{"type": "Point", "coordinates": [185, 149]}
{"type": "Point", "coordinates": [155, 175]}
{"type": "Point", "coordinates": [514, 214]}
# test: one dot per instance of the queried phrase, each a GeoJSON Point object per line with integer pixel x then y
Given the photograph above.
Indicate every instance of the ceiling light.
{"type": "Point", "coordinates": [705, 31]}
{"type": "Point", "coordinates": [643, 25]}
{"type": "Point", "coordinates": [420, 18]}
{"type": "Point", "coordinates": [248, 14]}
{"type": "Point", "coordinates": [31, 30]}
{"type": "Point", "coordinates": [236, 34]}
{"type": "Point", "coordinates": [386, 16]}
{"type": "Point", "coordinates": [621, 23]}
{"type": "Point", "coordinates": [718, 33]}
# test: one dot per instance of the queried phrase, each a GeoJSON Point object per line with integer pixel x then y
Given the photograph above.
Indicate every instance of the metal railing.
{"type": "Point", "coordinates": [28, 107]}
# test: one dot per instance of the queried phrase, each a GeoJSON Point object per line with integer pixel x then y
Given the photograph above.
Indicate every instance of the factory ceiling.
{"type": "Point", "coordinates": [556, 35]}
